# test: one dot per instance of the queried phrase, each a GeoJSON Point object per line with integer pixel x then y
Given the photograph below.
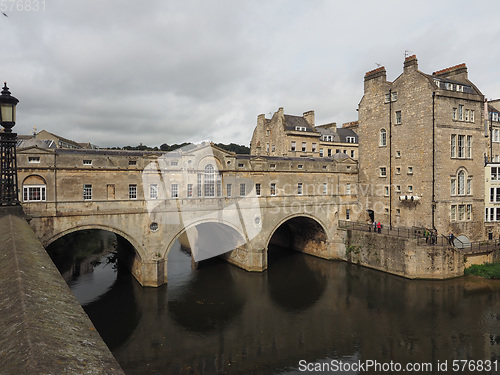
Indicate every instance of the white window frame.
{"type": "Point", "coordinates": [28, 193]}
{"type": "Point", "coordinates": [174, 190]}
{"type": "Point", "coordinates": [87, 192]}
{"type": "Point", "coordinates": [300, 188]}
{"type": "Point", "coordinates": [153, 191]}
{"type": "Point", "coordinates": [273, 189]}
{"type": "Point", "coordinates": [33, 159]}
{"type": "Point", "coordinates": [132, 191]}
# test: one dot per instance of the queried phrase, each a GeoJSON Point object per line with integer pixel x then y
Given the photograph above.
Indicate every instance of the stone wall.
{"type": "Point", "coordinates": [44, 329]}
{"type": "Point", "coordinates": [402, 256]}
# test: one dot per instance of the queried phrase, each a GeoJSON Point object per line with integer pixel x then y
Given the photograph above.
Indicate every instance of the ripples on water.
{"type": "Point", "coordinates": [220, 319]}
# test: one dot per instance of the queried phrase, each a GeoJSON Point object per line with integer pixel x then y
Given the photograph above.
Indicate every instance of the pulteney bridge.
{"type": "Point", "coordinates": [215, 202]}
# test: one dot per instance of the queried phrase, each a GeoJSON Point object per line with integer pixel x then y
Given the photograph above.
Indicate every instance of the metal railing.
{"type": "Point", "coordinates": [425, 237]}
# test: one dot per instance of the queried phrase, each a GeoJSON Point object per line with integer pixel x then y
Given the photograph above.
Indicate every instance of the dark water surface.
{"type": "Point", "coordinates": [302, 312]}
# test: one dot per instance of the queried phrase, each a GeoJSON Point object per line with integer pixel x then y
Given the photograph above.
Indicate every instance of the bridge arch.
{"type": "Point", "coordinates": [234, 236]}
{"type": "Point", "coordinates": [301, 232]}
{"type": "Point", "coordinates": [137, 247]}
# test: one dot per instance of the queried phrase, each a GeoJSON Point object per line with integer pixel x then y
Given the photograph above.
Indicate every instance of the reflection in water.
{"type": "Point", "coordinates": [220, 319]}
{"type": "Point", "coordinates": [88, 261]}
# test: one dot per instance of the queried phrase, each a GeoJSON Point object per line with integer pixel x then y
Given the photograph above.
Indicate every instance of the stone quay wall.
{"type": "Point", "coordinates": [44, 328]}
{"type": "Point", "coordinates": [402, 256]}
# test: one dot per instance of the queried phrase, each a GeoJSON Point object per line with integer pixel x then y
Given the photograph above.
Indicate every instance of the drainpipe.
{"type": "Point", "coordinates": [390, 158]}
{"type": "Point", "coordinates": [433, 157]}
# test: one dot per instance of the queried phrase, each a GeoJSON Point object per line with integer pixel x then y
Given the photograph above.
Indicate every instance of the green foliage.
{"type": "Point", "coordinates": [233, 147]}
{"type": "Point", "coordinates": [487, 270]}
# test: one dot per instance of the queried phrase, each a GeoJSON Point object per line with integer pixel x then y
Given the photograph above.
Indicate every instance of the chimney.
{"type": "Point", "coordinates": [261, 119]}
{"type": "Point", "coordinates": [378, 75]}
{"type": "Point", "coordinates": [411, 63]}
{"type": "Point", "coordinates": [309, 117]}
{"type": "Point", "coordinates": [457, 70]}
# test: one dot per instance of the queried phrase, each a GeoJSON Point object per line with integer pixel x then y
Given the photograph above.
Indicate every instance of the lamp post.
{"type": "Point", "coordinates": [8, 139]}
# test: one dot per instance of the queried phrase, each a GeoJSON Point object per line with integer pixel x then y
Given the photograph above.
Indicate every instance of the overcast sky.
{"type": "Point", "coordinates": [124, 72]}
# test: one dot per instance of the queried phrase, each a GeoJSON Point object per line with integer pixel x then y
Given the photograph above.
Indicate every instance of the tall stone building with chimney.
{"type": "Point", "coordinates": [422, 145]}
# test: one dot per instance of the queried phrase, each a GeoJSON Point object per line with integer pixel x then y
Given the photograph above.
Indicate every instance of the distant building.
{"type": "Point", "coordinates": [297, 136]}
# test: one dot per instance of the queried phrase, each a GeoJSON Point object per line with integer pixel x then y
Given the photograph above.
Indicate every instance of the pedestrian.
{"type": "Point", "coordinates": [426, 235]}
{"type": "Point", "coordinates": [374, 226]}
{"type": "Point", "coordinates": [450, 238]}
{"type": "Point", "coordinates": [379, 227]}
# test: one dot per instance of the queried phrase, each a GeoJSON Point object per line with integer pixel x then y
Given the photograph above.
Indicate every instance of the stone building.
{"type": "Point", "coordinates": [422, 145]}
{"type": "Point", "coordinates": [298, 136]}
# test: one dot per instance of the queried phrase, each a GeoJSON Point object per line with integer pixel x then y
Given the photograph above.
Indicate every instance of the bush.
{"type": "Point", "coordinates": [487, 270]}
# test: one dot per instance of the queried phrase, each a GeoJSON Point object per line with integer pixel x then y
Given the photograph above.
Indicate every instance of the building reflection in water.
{"type": "Point", "coordinates": [221, 319]}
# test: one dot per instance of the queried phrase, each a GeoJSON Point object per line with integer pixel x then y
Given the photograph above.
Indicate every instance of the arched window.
{"type": "Point", "coordinates": [209, 181]}
{"type": "Point", "coordinates": [34, 189]}
{"type": "Point", "coordinates": [383, 137]}
{"type": "Point", "coordinates": [461, 183]}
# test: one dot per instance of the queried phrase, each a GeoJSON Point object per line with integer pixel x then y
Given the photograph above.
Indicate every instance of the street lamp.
{"type": "Point", "coordinates": [8, 163]}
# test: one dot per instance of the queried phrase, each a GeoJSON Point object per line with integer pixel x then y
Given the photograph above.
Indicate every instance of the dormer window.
{"type": "Point", "coordinates": [301, 128]}
{"type": "Point", "coordinates": [328, 138]}
{"type": "Point", "coordinates": [33, 159]}
{"type": "Point", "coordinates": [351, 139]}
{"type": "Point", "coordinates": [87, 162]}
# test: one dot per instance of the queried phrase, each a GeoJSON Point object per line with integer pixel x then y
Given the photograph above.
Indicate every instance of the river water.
{"type": "Point", "coordinates": [302, 313]}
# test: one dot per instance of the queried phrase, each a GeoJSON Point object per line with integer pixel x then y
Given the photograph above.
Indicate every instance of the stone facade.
{"type": "Point", "coordinates": [298, 136]}
{"type": "Point", "coordinates": [422, 146]}
{"type": "Point", "coordinates": [151, 200]}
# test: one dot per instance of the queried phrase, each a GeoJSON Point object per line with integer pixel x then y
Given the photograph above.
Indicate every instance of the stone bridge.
{"type": "Point", "coordinates": [214, 202]}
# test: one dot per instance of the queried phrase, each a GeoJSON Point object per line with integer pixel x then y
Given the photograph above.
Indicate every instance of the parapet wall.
{"type": "Point", "coordinates": [402, 256]}
{"type": "Point", "coordinates": [44, 328]}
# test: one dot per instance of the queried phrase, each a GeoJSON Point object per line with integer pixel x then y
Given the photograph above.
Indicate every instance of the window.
{"type": "Point", "coordinates": [467, 115]}
{"type": "Point", "coordinates": [268, 132]}
{"type": "Point", "coordinates": [321, 152]}
{"type": "Point", "coordinates": [383, 172]}
{"type": "Point", "coordinates": [273, 189]}
{"type": "Point", "coordinates": [453, 186]}
{"type": "Point", "coordinates": [352, 153]}
{"type": "Point", "coordinates": [199, 178]}
{"type": "Point", "coordinates": [398, 170]}
{"type": "Point", "coordinates": [87, 162]}
{"type": "Point", "coordinates": [348, 214]}
{"type": "Point", "coordinates": [267, 147]}
{"type": "Point", "coordinates": [273, 149]}
{"type": "Point", "coordinates": [132, 162]}
{"type": "Point", "coordinates": [313, 148]}
{"type": "Point", "coordinates": [189, 191]}
{"type": "Point", "coordinates": [299, 188]}
{"type": "Point", "coordinates": [174, 190]}
{"type": "Point", "coordinates": [469, 186]}
{"type": "Point", "coordinates": [209, 181]}
{"type": "Point", "coordinates": [398, 188]}
{"type": "Point", "coordinates": [87, 192]}
{"type": "Point", "coordinates": [293, 146]}
{"type": "Point", "coordinates": [348, 188]}
{"type": "Point", "coordinates": [229, 189]}
{"type": "Point", "coordinates": [132, 191]}
{"type": "Point", "coordinates": [394, 96]}
{"type": "Point", "coordinates": [468, 212]}
{"type": "Point", "coordinates": [257, 190]}
{"type": "Point", "coordinates": [461, 112]}
{"type": "Point", "coordinates": [410, 170]}
{"type": "Point", "coordinates": [328, 138]}
{"type": "Point", "coordinates": [241, 165]}
{"type": "Point", "coordinates": [382, 138]}
{"type": "Point", "coordinates": [34, 193]}
{"type": "Point", "coordinates": [453, 149]}
{"type": "Point", "coordinates": [272, 166]}
{"type": "Point", "coordinates": [461, 212]}
{"type": "Point", "coordinates": [398, 211]}
{"type": "Point", "coordinates": [219, 184]}
{"type": "Point", "coordinates": [398, 154]}
{"type": "Point", "coordinates": [471, 115]}
{"type": "Point", "coordinates": [455, 114]}
{"type": "Point", "coordinates": [410, 189]}
{"type": "Point", "coordinates": [153, 191]}
{"type": "Point", "coordinates": [461, 183]}
{"type": "Point", "coordinates": [174, 163]}
{"type": "Point", "coordinates": [387, 98]}
{"type": "Point", "coordinates": [33, 159]}
{"type": "Point", "coordinates": [304, 146]}
{"type": "Point", "coordinates": [301, 128]}
{"type": "Point", "coordinates": [386, 191]}
{"type": "Point", "coordinates": [453, 212]}
{"type": "Point", "coordinates": [329, 152]}
{"type": "Point", "coordinates": [300, 166]}
{"type": "Point", "coordinates": [495, 173]}
{"type": "Point", "coordinates": [243, 190]}
{"type": "Point", "coordinates": [468, 146]}
{"type": "Point", "coordinates": [461, 146]}
{"type": "Point", "coordinates": [496, 135]}
{"type": "Point", "coordinates": [398, 118]}
{"type": "Point", "coordinates": [350, 139]}
{"type": "Point", "coordinates": [325, 187]}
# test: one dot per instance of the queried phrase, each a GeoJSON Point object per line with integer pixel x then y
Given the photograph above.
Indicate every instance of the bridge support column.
{"type": "Point", "coordinates": [150, 272]}
{"type": "Point", "coordinates": [249, 260]}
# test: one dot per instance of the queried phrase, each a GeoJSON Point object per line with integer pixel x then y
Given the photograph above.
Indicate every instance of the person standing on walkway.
{"type": "Point", "coordinates": [379, 227]}
{"type": "Point", "coordinates": [374, 226]}
{"type": "Point", "coordinates": [451, 237]}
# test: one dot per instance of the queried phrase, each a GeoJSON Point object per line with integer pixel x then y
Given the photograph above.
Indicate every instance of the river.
{"type": "Point", "coordinates": [303, 313]}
